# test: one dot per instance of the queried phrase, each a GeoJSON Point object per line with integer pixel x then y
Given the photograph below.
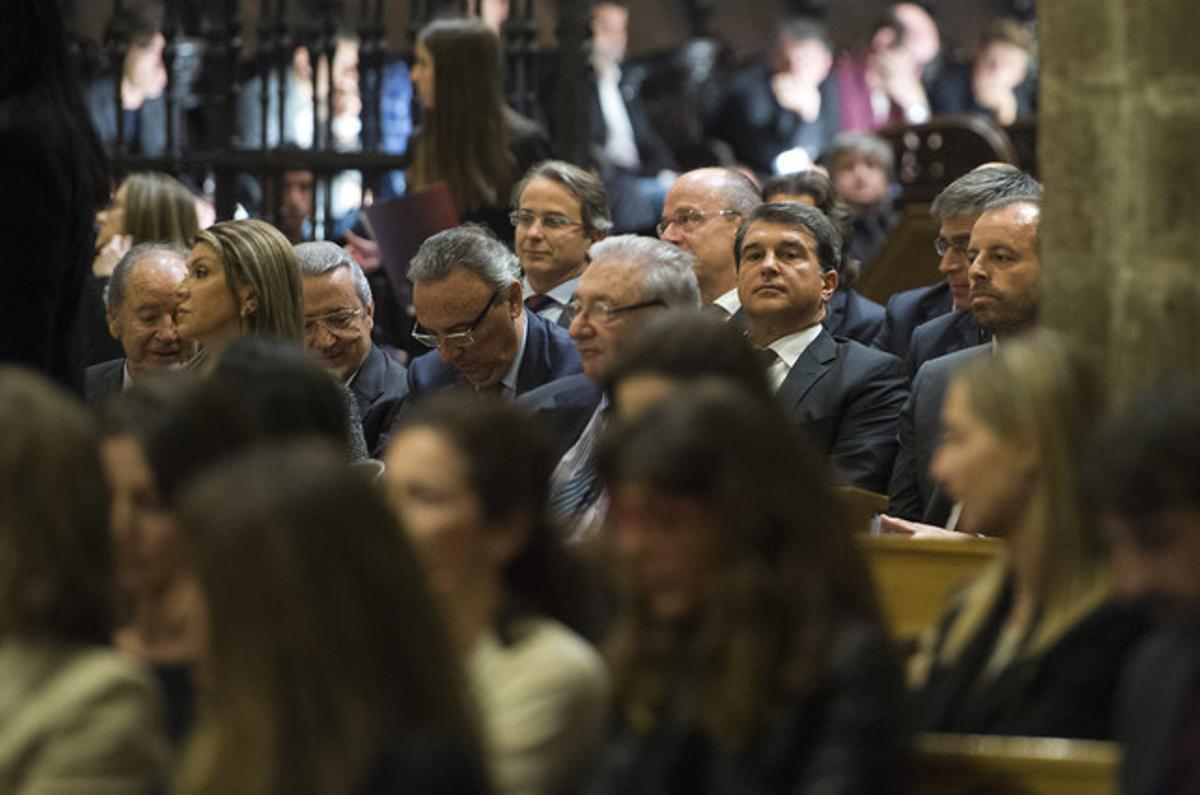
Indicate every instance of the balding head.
{"type": "Point", "coordinates": [141, 300]}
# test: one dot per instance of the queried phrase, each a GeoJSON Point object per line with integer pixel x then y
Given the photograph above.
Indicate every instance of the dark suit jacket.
{"type": "Point", "coordinates": [103, 380]}
{"type": "Point", "coordinates": [847, 398]}
{"type": "Point", "coordinates": [849, 314]}
{"type": "Point", "coordinates": [1157, 698]}
{"type": "Point", "coordinates": [379, 388]}
{"type": "Point", "coordinates": [948, 333]}
{"type": "Point", "coordinates": [913, 493]}
{"type": "Point", "coordinates": [549, 355]}
{"type": "Point", "coordinates": [564, 408]}
{"type": "Point", "coordinates": [653, 153]}
{"type": "Point", "coordinates": [908, 309]}
{"type": "Point", "coordinates": [1066, 691]}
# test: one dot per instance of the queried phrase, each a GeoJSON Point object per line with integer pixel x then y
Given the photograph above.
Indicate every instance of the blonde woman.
{"type": "Point", "coordinates": [1034, 646]}
{"type": "Point", "coordinates": [148, 207]}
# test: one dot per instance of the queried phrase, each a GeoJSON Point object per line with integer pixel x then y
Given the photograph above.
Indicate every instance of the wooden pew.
{"type": "Point", "coordinates": [907, 258]}
{"type": "Point", "coordinates": [913, 579]}
{"type": "Point", "coordinates": [949, 764]}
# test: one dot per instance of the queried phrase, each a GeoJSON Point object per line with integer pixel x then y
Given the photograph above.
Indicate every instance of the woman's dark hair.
{"type": "Point", "coordinates": [789, 570]}
{"type": "Point", "coordinates": [509, 466]}
{"type": "Point", "coordinates": [328, 657]}
{"type": "Point", "coordinates": [136, 23]}
{"type": "Point", "coordinates": [465, 140]}
{"type": "Point", "coordinates": [820, 189]}
{"type": "Point", "coordinates": [56, 572]}
{"type": "Point", "coordinates": [686, 346]}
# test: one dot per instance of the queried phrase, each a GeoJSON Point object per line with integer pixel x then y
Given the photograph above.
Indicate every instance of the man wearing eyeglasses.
{"type": "Point", "coordinates": [845, 396]}
{"type": "Point", "coordinates": [558, 211]}
{"type": "Point", "coordinates": [338, 317]}
{"type": "Point", "coordinates": [701, 214]}
{"type": "Point", "coordinates": [928, 322]}
{"type": "Point", "coordinates": [628, 278]}
{"type": "Point", "coordinates": [467, 298]}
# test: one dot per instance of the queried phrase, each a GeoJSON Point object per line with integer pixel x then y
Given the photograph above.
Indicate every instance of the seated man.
{"type": "Point", "coordinates": [467, 298]}
{"type": "Point", "coordinates": [338, 317]}
{"type": "Point", "coordinates": [558, 211]}
{"type": "Point", "coordinates": [1147, 484]}
{"type": "Point", "coordinates": [628, 277]}
{"type": "Point", "coordinates": [861, 166]}
{"type": "Point", "coordinates": [846, 396]}
{"type": "Point", "coordinates": [141, 302]}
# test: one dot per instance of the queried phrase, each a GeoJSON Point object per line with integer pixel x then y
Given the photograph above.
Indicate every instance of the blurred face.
{"type": "Point", "coordinates": [859, 179]}
{"type": "Point", "coordinates": [452, 305]}
{"type": "Point", "coordinates": [691, 220]}
{"type": "Point", "coordinates": [955, 234]}
{"type": "Point", "coordinates": [1157, 560]}
{"type": "Point", "coordinates": [551, 256]}
{"type": "Point", "coordinates": [494, 13]}
{"type": "Point", "coordinates": [921, 36]}
{"type": "Point", "coordinates": [780, 282]}
{"type": "Point", "coordinates": [808, 61]}
{"type": "Point", "coordinates": [144, 67]}
{"type": "Point", "coordinates": [610, 31]}
{"type": "Point", "coordinates": [1002, 64]}
{"type": "Point", "coordinates": [207, 312]}
{"type": "Point", "coordinates": [634, 395]}
{"type": "Point", "coordinates": [598, 337]}
{"type": "Point", "coordinates": [297, 202]}
{"type": "Point", "coordinates": [112, 218]}
{"type": "Point", "coordinates": [422, 75]}
{"type": "Point", "coordinates": [987, 473]}
{"type": "Point", "coordinates": [337, 327]}
{"type": "Point", "coordinates": [145, 538]}
{"type": "Point", "coordinates": [1005, 269]}
{"type": "Point", "coordinates": [428, 487]}
{"type": "Point", "coordinates": [666, 549]}
{"type": "Point", "coordinates": [145, 323]}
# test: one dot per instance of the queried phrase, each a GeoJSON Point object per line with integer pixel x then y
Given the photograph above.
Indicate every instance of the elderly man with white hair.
{"type": "Point", "coordinates": [339, 314]}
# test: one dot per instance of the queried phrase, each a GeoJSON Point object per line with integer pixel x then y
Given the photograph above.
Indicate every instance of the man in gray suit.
{"type": "Point", "coordinates": [844, 395]}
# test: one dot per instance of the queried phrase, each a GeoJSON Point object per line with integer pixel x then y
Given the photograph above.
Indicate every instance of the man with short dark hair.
{"type": "Point", "coordinates": [140, 310]}
{"type": "Point", "coordinates": [468, 301]}
{"type": "Point", "coordinates": [559, 210]}
{"type": "Point", "coordinates": [844, 395]}
{"type": "Point", "coordinates": [339, 315]}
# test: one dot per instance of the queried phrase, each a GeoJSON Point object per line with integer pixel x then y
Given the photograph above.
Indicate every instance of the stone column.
{"type": "Point", "coordinates": [1120, 158]}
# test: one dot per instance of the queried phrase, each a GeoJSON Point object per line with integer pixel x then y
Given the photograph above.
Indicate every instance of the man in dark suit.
{"type": "Point", "coordinates": [559, 210]}
{"type": "Point", "coordinates": [338, 317]}
{"type": "Point", "coordinates": [467, 298]}
{"type": "Point", "coordinates": [1004, 278]}
{"type": "Point", "coordinates": [953, 331]}
{"type": "Point", "coordinates": [956, 208]}
{"type": "Point", "coordinates": [844, 395]}
{"type": "Point", "coordinates": [1146, 481]}
{"type": "Point", "coordinates": [628, 277]}
{"type": "Point", "coordinates": [139, 309]}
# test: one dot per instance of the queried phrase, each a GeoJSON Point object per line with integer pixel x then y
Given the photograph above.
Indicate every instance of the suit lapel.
{"type": "Point", "coordinates": [535, 361]}
{"type": "Point", "coordinates": [368, 381]}
{"type": "Point", "coordinates": [816, 360]}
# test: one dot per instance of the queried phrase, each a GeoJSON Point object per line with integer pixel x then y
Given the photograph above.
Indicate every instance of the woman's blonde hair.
{"type": "Point", "coordinates": [158, 208]}
{"type": "Point", "coordinates": [1042, 391]}
{"type": "Point", "coordinates": [255, 253]}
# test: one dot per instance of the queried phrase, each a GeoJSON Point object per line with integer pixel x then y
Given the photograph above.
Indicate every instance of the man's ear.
{"type": "Point", "coordinates": [830, 279]}
{"type": "Point", "coordinates": [113, 319]}
{"type": "Point", "coordinates": [371, 315]}
{"type": "Point", "coordinates": [515, 300]}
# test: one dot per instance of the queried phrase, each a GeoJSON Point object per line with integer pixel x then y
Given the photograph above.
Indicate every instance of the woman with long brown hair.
{"type": "Point", "coordinates": [470, 139]}
{"type": "Point", "coordinates": [748, 654]}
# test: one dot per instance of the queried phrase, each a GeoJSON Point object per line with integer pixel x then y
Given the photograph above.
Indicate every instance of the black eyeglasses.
{"type": "Point", "coordinates": [458, 339]}
{"type": "Point", "coordinates": [602, 312]}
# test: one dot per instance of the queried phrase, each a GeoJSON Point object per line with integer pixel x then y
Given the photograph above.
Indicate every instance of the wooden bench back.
{"type": "Point", "coordinates": [949, 764]}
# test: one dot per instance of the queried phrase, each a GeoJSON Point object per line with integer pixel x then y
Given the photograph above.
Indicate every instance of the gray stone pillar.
{"type": "Point", "coordinates": [1120, 158]}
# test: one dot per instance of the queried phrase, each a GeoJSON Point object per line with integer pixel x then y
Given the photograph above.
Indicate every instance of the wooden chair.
{"type": "Point", "coordinates": [915, 578]}
{"type": "Point", "coordinates": [949, 764]}
{"type": "Point", "coordinates": [930, 156]}
{"type": "Point", "coordinates": [860, 506]}
{"type": "Point", "coordinates": [907, 258]}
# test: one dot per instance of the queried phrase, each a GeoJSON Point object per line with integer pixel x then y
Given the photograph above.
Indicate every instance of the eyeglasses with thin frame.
{"type": "Point", "coordinates": [603, 312]}
{"type": "Point", "coordinates": [688, 220]}
{"type": "Point", "coordinates": [458, 339]}
{"type": "Point", "coordinates": [551, 222]}
{"type": "Point", "coordinates": [337, 322]}
{"type": "Point", "coordinates": [941, 245]}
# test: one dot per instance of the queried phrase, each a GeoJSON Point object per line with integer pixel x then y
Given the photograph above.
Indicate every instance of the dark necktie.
{"type": "Point", "coordinates": [766, 357]}
{"type": "Point", "coordinates": [536, 301]}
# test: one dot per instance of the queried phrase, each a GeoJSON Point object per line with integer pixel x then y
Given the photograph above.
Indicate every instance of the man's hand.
{"type": "Point", "coordinates": [365, 252]}
{"type": "Point", "coordinates": [891, 525]}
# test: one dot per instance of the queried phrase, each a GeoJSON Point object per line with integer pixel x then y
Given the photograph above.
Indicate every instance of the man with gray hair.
{"type": "Point", "coordinates": [558, 210]}
{"type": "Point", "coordinates": [628, 278]}
{"type": "Point", "coordinates": [844, 396]}
{"type": "Point", "coordinates": [468, 300]}
{"type": "Point", "coordinates": [140, 312]}
{"type": "Point", "coordinates": [339, 315]}
{"type": "Point", "coordinates": [928, 322]}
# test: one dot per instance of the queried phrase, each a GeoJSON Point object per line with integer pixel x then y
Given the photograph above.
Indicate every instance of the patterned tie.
{"type": "Point", "coordinates": [536, 301]}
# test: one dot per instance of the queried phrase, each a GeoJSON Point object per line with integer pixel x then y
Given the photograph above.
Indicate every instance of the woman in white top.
{"type": "Point", "coordinates": [469, 478]}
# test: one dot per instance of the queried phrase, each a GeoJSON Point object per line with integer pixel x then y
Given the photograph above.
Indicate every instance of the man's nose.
{"type": "Point", "coordinates": [166, 328]}
{"type": "Point", "coordinates": [580, 328]}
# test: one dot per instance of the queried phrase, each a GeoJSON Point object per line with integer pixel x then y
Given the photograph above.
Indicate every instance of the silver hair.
{"type": "Point", "coordinates": [321, 257]}
{"type": "Point", "coordinates": [588, 189]}
{"type": "Point", "coordinates": [865, 144]}
{"type": "Point", "coordinates": [738, 192]}
{"type": "Point", "coordinates": [468, 246]}
{"type": "Point", "coordinates": [971, 193]}
{"type": "Point", "coordinates": [669, 272]}
{"type": "Point", "coordinates": [114, 293]}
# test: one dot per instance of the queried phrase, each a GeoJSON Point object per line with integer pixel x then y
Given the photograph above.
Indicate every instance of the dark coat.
{"type": "Point", "coordinates": [379, 388]}
{"type": "Point", "coordinates": [101, 381]}
{"type": "Point", "coordinates": [847, 398]}
{"type": "Point", "coordinates": [953, 331]}
{"type": "Point", "coordinates": [849, 314]}
{"type": "Point", "coordinates": [908, 309]}
{"type": "Point", "coordinates": [564, 408]}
